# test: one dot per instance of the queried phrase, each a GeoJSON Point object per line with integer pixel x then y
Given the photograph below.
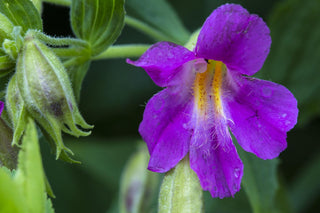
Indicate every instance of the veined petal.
{"type": "Point", "coordinates": [235, 37]}
{"type": "Point", "coordinates": [214, 158]}
{"type": "Point", "coordinates": [165, 128]}
{"type": "Point", "coordinates": [162, 61]}
{"type": "Point", "coordinates": [262, 112]}
{"type": "Point", "coordinates": [1, 107]}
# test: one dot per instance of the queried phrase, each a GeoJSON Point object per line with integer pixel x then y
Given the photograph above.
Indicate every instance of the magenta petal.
{"type": "Point", "coordinates": [231, 35]}
{"type": "Point", "coordinates": [262, 112]}
{"type": "Point", "coordinates": [162, 60]}
{"type": "Point", "coordinates": [164, 128]}
{"type": "Point", "coordinates": [1, 107]}
{"type": "Point", "coordinates": [215, 160]}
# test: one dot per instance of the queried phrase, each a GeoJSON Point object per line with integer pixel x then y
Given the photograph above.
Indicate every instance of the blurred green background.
{"type": "Point", "coordinates": [114, 95]}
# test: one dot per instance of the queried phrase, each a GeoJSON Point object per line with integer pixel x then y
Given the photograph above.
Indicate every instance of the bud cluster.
{"type": "Point", "coordinates": [39, 88]}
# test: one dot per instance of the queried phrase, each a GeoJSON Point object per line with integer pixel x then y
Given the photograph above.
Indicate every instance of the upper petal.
{"type": "Point", "coordinates": [262, 112]}
{"type": "Point", "coordinates": [162, 60]}
{"type": "Point", "coordinates": [214, 158]}
{"type": "Point", "coordinates": [164, 128]}
{"type": "Point", "coordinates": [235, 37]}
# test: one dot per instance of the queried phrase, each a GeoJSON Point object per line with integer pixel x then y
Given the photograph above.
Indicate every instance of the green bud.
{"type": "Point", "coordinates": [138, 185]}
{"type": "Point", "coordinates": [47, 93]}
{"type": "Point", "coordinates": [12, 46]}
{"type": "Point", "coordinates": [16, 109]}
{"type": "Point", "coordinates": [180, 190]}
{"type": "Point", "coordinates": [191, 44]}
{"type": "Point", "coordinates": [6, 27]}
{"type": "Point", "coordinates": [8, 154]}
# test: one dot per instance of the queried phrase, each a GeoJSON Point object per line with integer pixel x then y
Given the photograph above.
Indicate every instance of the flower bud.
{"type": "Point", "coordinates": [6, 30]}
{"type": "Point", "coordinates": [46, 91]}
{"type": "Point", "coordinates": [180, 190]}
{"type": "Point", "coordinates": [12, 46]}
{"type": "Point", "coordinates": [138, 185]}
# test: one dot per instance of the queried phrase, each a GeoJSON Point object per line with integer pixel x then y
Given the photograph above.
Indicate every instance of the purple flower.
{"type": "Point", "coordinates": [208, 94]}
{"type": "Point", "coordinates": [1, 107]}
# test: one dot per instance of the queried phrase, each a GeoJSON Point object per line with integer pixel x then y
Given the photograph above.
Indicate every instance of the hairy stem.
{"type": "Point", "coordinates": [58, 41]}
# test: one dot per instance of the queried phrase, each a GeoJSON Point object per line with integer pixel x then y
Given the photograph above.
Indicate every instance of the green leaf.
{"type": "Point", "coordinates": [30, 171]}
{"type": "Point", "coordinates": [49, 208]}
{"type": "Point", "coordinates": [294, 56]}
{"type": "Point", "coordinates": [37, 4]}
{"type": "Point", "coordinates": [21, 13]}
{"type": "Point", "coordinates": [99, 22]}
{"type": "Point", "coordinates": [23, 191]}
{"type": "Point", "coordinates": [259, 181]}
{"type": "Point", "coordinates": [6, 28]}
{"type": "Point", "coordinates": [11, 196]}
{"type": "Point", "coordinates": [159, 15]}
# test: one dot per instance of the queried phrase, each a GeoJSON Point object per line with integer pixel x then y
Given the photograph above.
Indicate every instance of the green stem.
{"type": "Point", "coordinates": [58, 41]}
{"type": "Point", "coordinates": [145, 28]}
{"type": "Point", "coordinates": [74, 62]}
{"type": "Point", "coordinates": [71, 52]}
{"type": "Point", "coordinates": [59, 2]}
{"type": "Point", "coordinates": [123, 51]}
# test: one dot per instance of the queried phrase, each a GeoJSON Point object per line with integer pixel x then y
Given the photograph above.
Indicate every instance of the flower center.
{"type": "Point", "coordinates": [207, 88]}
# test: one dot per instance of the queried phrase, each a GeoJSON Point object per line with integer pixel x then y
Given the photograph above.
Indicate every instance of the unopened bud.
{"type": "Point", "coordinates": [46, 91]}
{"type": "Point", "coordinates": [191, 44]}
{"type": "Point", "coordinates": [12, 46]}
{"type": "Point", "coordinates": [138, 185]}
{"type": "Point", "coordinates": [180, 190]}
{"type": "Point", "coordinates": [6, 33]}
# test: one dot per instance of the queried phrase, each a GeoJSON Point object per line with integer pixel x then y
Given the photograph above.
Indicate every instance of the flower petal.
{"type": "Point", "coordinates": [1, 107]}
{"type": "Point", "coordinates": [162, 60]}
{"type": "Point", "coordinates": [231, 35]}
{"type": "Point", "coordinates": [164, 128]}
{"type": "Point", "coordinates": [262, 112]}
{"type": "Point", "coordinates": [215, 160]}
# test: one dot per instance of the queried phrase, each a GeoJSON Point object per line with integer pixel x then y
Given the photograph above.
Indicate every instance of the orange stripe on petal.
{"type": "Point", "coordinates": [207, 89]}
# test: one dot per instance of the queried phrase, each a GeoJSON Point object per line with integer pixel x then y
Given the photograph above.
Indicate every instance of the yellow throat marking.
{"type": "Point", "coordinates": [207, 87]}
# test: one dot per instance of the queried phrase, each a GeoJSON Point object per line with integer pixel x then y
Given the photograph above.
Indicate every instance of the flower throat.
{"type": "Point", "coordinates": [207, 87]}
